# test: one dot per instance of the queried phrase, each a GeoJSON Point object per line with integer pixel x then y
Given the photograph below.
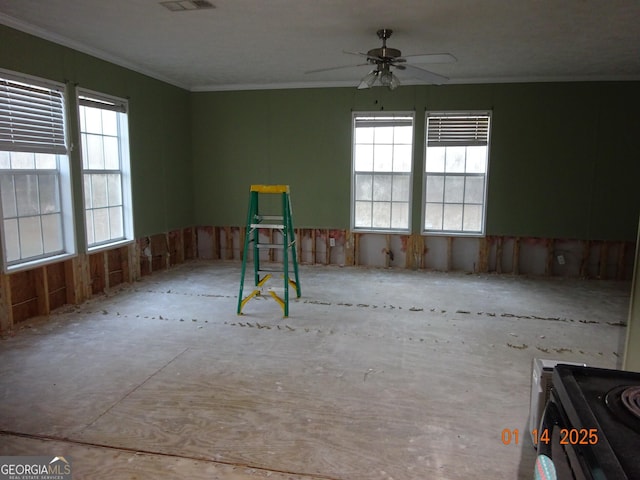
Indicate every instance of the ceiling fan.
{"type": "Point", "coordinates": [384, 58]}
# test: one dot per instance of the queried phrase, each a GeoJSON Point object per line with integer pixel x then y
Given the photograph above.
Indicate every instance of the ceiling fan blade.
{"type": "Point", "coordinates": [431, 58]}
{"type": "Point", "coordinates": [338, 68]}
{"type": "Point", "coordinates": [360, 54]}
{"type": "Point", "coordinates": [423, 74]}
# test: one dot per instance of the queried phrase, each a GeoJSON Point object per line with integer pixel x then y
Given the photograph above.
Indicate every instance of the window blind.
{"type": "Point", "coordinates": [386, 121]}
{"type": "Point", "coordinates": [31, 118]}
{"type": "Point", "coordinates": [457, 130]}
{"type": "Point", "coordinates": [97, 102]}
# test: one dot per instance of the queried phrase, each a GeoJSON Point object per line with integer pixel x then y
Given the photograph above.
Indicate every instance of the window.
{"type": "Point", "coordinates": [105, 167]}
{"type": "Point", "coordinates": [455, 177]}
{"type": "Point", "coordinates": [35, 188]}
{"type": "Point", "coordinates": [382, 166]}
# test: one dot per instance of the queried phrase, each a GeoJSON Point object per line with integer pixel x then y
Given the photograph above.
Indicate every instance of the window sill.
{"type": "Point", "coordinates": [41, 262]}
{"type": "Point", "coordinates": [110, 246]}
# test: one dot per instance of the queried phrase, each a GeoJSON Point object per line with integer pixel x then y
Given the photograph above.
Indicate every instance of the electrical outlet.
{"type": "Point", "coordinates": [332, 242]}
{"type": "Point", "coordinates": [561, 259]}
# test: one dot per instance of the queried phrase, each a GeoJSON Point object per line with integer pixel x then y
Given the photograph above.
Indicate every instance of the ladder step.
{"type": "Point", "coordinates": [267, 225]}
{"type": "Point", "coordinates": [273, 269]}
{"type": "Point", "coordinates": [279, 246]}
{"type": "Point", "coordinates": [269, 217]}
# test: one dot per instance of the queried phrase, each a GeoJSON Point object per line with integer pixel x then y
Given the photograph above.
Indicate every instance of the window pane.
{"type": "Point", "coordinates": [382, 187]}
{"type": "Point", "coordinates": [101, 225]}
{"type": "Point", "coordinates": [5, 160]}
{"type": "Point", "coordinates": [435, 189]}
{"type": "Point", "coordinates": [433, 216]}
{"type": "Point", "coordinates": [399, 215]}
{"type": "Point", "coordinates": [363, 158]}
{"type": "Point", "coordinates": [402, 158]}
{"type": "Point", "coordinates": [93, 120]}
{"type": "Point", "coordinates": [11, 240]}
{"type": "Point", "coordinates": [87, 191]}
{"type": "Point", "coordinates": [22, 160]}
{"type": "Point", "coordinates": [115, 189]}
{"type": "Point", "coordinates": [453, 189]}
{"type": "Point", "coordinates": [477, 159]}
{"type": "Point", "coordinates": [95, 152]}
{"type": "Point", "coordinates": [27, 194]}
{"type": "Point", "coordinates": [382, 158]}
{"type": "Point", "coordinates": [363, 214]}
{"type": "Point", "coordinates": [364, 135]}
{"type": "Point", "coordinates": [381, 214]}
{"type": "Point", "coordinates": [8, 196]}
{"type": "Point", "coordinates": [89, 225]}
{"type": "Point", "coordinates": [474, 190]}
{"type": "Point", "coordinates": [110, 122]}
{"type": "Point", "coordinates": [115, 222]}
{"type": "Point", "coordinates": [364, 186]}
{"type": "Point", "coordinates": [85, 151]}
{"type": "Point", "coordinates": [49, 193]}
{"type": "Point", "coordinates": [452, 217]}
{"type": "Point", "coordinates": [472, 218]}
{"type": "Point", "coordinates": [403, 134]}
{"type": "Point", "coordinates": [99, 190]}
{"type": "Point", "coordinates": [435, 159]}
{"type": "Point", "coordinates": [401, 188]}
{"type": "Point", "coordinates": [30, 236]}
{"type": "Point", "coordinates": [455, 159]}
{"type": "Point", "coordinates": [383, 135]}
{"type": "Point", "coordinates": [46, 161]}
{"type": "Point", "coordinates": [111, 154]}
{"type": "Point", "coordinates": [83, 122]}
{"type": "Point", "coordinates": [52, 233]}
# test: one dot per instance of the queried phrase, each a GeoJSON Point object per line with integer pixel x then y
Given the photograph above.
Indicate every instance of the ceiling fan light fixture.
{"type": "Point", "coordinates": [394, 83]}
{"type": "Point", "coordinates": [368, 80]}
{"type": "Point", "coordinates": [182, 5]}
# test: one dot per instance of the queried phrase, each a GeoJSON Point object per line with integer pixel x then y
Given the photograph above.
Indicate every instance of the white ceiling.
{"type": "Point", "coordinates": [245, 44]}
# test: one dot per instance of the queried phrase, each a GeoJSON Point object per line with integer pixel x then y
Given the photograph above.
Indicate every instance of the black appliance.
{"type": "Point", "coordinates": [590, 428]}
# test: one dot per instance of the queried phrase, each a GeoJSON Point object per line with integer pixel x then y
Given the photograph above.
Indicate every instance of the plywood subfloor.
{"type": "Point", "coordinates": [376, 374]}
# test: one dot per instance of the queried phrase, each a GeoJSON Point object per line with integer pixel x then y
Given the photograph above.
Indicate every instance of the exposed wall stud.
{"type": "Point", "coordinates": [6, 312]}
{"type": "Point", "coordinates": [42, 290]}
{"type": "Point", "coordinates": [348, 248]}
{"type": "Point", "coordinates": [215, 245]}
{"type": "Point", "coordinates": [356, 249]}
{"type": "Point", "coordinates": [387, 251]}
{"type": "Point", "coordinates": [327, 248]}
{"type": "Point", "coordinates": [548, 268]}
{"type": "Point", "coordinates": [622, 251]}
{"type": "Point", "coordinates": [313, 247]}
{"type": "Point", "coordinates": [499, 253]}
{"type": "Point", "coordinates": [483, 255]}
{"type": "Point", "coordinates": [516, 256]}
{"type": "Point", "coordinates": [604, 260]}
{"type": "Point", "coordinates": [584, 263]}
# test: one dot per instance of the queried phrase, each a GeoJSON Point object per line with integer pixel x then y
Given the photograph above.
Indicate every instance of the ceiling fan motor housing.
{"type": "Point", "coordinates": [383, 54]}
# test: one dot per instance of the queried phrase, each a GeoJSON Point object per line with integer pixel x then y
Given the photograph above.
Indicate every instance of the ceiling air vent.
{"type": "Point", "coordinates": [182, 5]}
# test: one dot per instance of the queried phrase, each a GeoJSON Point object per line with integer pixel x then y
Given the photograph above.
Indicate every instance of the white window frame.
{"type": "Point", "coordinates": [89, 98]}
{"type": "Point", "coordinates": [43, 139]}
{"type": "Point", "coordinates": [468, 138]}
{"type": "Point", "coordinates": [388, 117]}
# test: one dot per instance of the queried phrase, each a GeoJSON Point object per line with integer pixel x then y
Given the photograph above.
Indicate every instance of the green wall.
{"type": "Point", "coordinates": [564, 161]}
{"type": "Point", "coordinates": [159, 134]}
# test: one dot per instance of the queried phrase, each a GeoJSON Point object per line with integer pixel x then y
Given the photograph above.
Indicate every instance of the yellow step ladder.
{"type": "Point", "coordinates": [281, 223]}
